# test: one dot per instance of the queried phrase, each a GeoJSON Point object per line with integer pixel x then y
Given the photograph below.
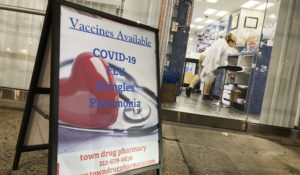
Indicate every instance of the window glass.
{"type": "Point", "coordinates": [20, 32]}
{"type": "Point", "coordinates": [19, 39]}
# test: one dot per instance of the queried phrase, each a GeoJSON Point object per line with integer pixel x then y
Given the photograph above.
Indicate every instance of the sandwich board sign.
{"type": "Point", "coordinates": [93, 98]}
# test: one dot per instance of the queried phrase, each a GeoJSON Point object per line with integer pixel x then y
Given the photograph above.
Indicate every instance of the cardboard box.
{"type": "Point", "coordinates": [188, 77]}
{"type": "Point", "coordinates": [168, 93]}
{"type": "Point", "coordinates": [169, 87]}
{"type": "Point", "coordinates": [237, 93]}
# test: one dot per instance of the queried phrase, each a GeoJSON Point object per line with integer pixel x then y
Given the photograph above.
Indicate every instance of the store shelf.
{"type": "Point", "coordinates": [238, 106]}
{"type": "Point", "coordinates": [246, 73]}
{"type": "Point", "coordinates": [248, 53]}
{"type": "Point", "coordinates": [245, 60]}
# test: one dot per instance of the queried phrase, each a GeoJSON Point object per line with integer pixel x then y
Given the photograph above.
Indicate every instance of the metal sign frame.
{"type": "Point", "coordinates": [52, 22]}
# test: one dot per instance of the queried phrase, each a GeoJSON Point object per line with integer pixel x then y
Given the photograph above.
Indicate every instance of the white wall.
{"type": "Point", "coordinates": [192, 44]}
{"type": "Point", "coordinates": [243, 33]}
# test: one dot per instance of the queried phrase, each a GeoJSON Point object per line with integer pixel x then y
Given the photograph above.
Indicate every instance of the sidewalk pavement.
{"type": "Point", "coordinates": [187, 150]}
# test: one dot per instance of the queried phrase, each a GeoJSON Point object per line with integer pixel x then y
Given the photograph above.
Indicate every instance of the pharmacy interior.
{"type": "Point", "coordinates": [239, 88]}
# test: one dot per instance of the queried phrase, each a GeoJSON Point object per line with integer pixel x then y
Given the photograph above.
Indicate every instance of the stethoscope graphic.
{"type": "Point", "coordinates": [132, 115]}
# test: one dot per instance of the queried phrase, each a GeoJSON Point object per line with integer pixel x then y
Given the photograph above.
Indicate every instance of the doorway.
{"type": "Point", "coordinates": [241, 93]}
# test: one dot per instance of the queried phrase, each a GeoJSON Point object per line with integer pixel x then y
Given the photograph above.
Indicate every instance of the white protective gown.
{"type": "Point", "coordinates": [216, 55]}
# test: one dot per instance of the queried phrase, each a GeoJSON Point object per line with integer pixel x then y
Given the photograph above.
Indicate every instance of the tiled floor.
{"type": "Point", "coordinates": [194, 104]}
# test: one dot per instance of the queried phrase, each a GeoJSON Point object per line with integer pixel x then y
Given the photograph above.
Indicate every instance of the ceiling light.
{"type": "Point", "coordinates": [192, 26]}
{"type": "Point", "coordinates": [24, 51]}
{"type": "Point", "coordinates": [272, 16]}
{"type": "Point", "coordinates": [221, 13]}
{"type": "Point", "coordinates": [264, 6]}
{"type": "Point", "coordinates": [200, 27]}
{"type": "Point", "coordinates": [209, 11]}
{"type": "Point", "coordinates": [212, 1]}
{"type": "Point", "coordinates": [198, 19]}
{"type": "Point", "coordinates": [209, 21]}
{"type": "Point", "coordinates": [250, 4]}
{"type": "Point", "coordinates": [191, 39]}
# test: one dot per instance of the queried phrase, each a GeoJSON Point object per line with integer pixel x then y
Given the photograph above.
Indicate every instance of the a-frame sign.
{"type": "Point", "coordinates": [93, 98]}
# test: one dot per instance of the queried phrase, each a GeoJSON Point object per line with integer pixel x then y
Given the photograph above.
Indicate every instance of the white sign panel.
{"type": "Point", "coordinates": [108, 111]}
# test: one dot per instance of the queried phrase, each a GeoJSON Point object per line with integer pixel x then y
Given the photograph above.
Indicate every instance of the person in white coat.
{"type": "Point", "coordinates": [216, 55]}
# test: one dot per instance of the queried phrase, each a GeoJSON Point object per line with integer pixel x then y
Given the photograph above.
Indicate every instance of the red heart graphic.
{"type": "Point", "coordinates": [75, 93]}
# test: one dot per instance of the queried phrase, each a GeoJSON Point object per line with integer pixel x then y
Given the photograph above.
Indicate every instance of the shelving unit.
{"type": "Point", "coordinates": [245, 60]}
{"type": "Point", "coordinates": [252, 78]}
{"type": "Point", "coordinates": [174, 19]}
{"type": "Point", "coordinates": [212, 32]}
